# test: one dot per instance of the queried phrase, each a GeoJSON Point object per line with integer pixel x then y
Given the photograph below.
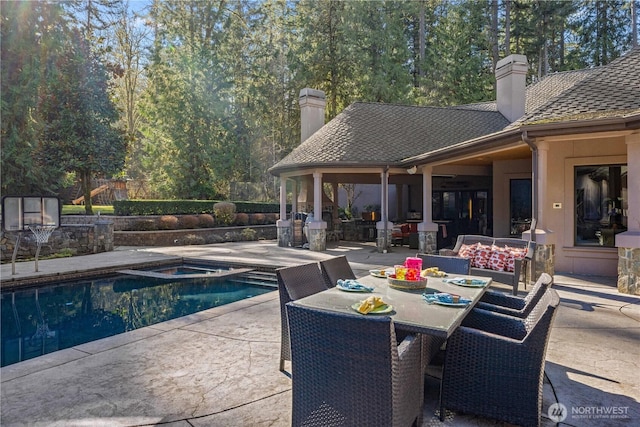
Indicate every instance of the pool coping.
{"type": "Point", "coordinates": [18, 283]}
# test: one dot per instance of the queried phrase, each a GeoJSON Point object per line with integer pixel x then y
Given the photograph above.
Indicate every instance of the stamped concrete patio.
{"type": "Point", "coordinates": [220, 367]}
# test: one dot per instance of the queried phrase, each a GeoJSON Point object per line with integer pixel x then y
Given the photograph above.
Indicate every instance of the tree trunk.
{"type": "Point", "coordinates": [634, 23]}
{"type": "Point", "coordinates": [421, 41]}
{"type": "Point", "coordinates": [507, 27]}
{"type": "Point", "coordinates": [495, 52]}
{"type": "Point", "coordinates": [85, 178]}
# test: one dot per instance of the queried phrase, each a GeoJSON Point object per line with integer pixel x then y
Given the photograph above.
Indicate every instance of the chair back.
{"type": "Point", "coordinates": [538, 290]}
{"type": "Point", "coordinates": [334, 269]}
{"type": "Point", "coordinates": [344, 370]}
{"type": "Point", "coordinates": [450, 264]}
{"type": "Point", "coordinates": [541, 316]}
{"type": "Point", "coordinates": [294, 283]}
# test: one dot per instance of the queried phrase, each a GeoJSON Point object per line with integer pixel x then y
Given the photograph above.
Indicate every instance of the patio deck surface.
{"type": "Point", "coordinates": [220, 367]}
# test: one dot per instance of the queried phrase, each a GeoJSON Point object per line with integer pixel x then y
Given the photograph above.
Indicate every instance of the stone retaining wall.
{"type": "Point", "coordinates": [77, 239]}
{"type": "Point", "coordinates": [196, 236]}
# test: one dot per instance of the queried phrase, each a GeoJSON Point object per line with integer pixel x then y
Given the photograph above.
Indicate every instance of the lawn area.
{"type": "Point", "coordinates": [79, 210]}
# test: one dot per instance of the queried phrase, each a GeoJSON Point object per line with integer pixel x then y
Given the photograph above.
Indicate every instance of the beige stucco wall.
{"type": "Point", "coordinates": [558, 187]}
{"type": "Point", "coordinates": [503, 173]}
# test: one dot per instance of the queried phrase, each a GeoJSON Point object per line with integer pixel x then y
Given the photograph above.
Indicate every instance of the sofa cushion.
{"type": "Point", "coordinates": [481, 257]}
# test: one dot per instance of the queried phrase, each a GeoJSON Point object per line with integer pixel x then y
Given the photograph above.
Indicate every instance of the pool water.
{"type": "Point", "coordinates": [43, 320]}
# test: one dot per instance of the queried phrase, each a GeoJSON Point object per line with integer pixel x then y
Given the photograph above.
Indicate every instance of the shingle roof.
{"type": "Point", "coordinates": [369, 134]}
{"type": "Point", "coordinates": [372, 133]}
{"type": "Point", "coordinates": [612, 90]}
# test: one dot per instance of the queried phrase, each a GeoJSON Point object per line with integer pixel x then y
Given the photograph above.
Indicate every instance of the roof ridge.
{"type": "Point", "coordinates": [435, 107]}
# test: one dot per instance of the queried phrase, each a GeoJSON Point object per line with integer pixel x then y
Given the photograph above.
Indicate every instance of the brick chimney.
{"type": "Point", "coordinates": [510, 88]}
{"type": "Point", "coordinates": [312, 103]}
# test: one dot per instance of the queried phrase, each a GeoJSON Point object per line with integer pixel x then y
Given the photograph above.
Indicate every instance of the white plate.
{"type": "Point", "coordinates": [346, 289]}
{"type": "Point", "coordinates": [378, 273]}
{"type": "Point", "coordinates": [465, 284]}
{"type": "Point", "coordinates": [452, 304]}
{"type": "Point", "coordinates": [383, 309]}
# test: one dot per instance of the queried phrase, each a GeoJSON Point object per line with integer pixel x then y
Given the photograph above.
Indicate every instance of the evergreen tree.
{"type": "Point", "coordinates": [32, 37]}
{"type": "Point", "coordinates": [79, 133]}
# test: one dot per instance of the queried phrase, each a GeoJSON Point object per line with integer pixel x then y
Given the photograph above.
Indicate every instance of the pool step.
{"type": "Point", "coordinates": [255, 277]}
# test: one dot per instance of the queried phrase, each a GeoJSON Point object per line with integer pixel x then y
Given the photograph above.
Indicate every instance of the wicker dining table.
{"type": "Point", "coordinates": [409, 310]}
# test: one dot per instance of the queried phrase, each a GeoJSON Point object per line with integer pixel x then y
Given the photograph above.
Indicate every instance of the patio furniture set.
{"type": "Point", "coordinates": [349, 368]}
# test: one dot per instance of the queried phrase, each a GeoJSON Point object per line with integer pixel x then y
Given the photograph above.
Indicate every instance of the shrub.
{"type": "Point", "coordinates": [206, 221]}
{"type": "Point", "coordinates": [192, 239]}
{"type": "Point", "coordinates": [271, 218]}
{"type": "Point", "coordinates": [232, 236]}
{"type": "Point", "coordinates": [257, 219]}
{"type": "Point", "coordinates": [167, 222]}
{"type": "Point", "coordinates": [189, 221]}
{"type": "Point", "coordinates": [225, 212]}
{"type": "Point", "coordinates": [144, 225]}
{"type": "Point", "coordinates": [242, 219]}
{"type": "Point", "coordinates": [214, 238]}
{"type": "Point", "coordinates": [249, 234]}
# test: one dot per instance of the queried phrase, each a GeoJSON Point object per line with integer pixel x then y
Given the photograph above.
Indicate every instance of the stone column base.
{"type": "Point", "coordinates": [629, 271]}
{"type": "Point", "coordinates": [285, 233]}
{"type": "Point", "coordinates": [544, 260]}
{"type": "Point", "coordinates": [317, 236]}
{"type": "Point", "coordinates": [428, 242]}
{"type": "Point", "coordinates": [380, 239]}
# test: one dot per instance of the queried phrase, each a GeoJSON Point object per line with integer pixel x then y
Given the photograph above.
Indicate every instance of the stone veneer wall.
{"type": "Point", "coordinates": [544, 257]}
{"type": "Point", "coordinates": [79, 239]}
{"type": "Point", "coordinates": [629, 270]}
{"type": "Point", "coordinates": [195, 236]}
{"type": "Point", "coordinates": [428, 242]}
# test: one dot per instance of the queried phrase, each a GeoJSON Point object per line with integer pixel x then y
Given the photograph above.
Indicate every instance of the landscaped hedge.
{"type": "Point", "coordinates": [186, 207]}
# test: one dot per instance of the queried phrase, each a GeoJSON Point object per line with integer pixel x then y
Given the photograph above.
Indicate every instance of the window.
{"type": "Point", "coordinates": [601, 204]}
{"type": "Point", "coordinates": [520, 206]}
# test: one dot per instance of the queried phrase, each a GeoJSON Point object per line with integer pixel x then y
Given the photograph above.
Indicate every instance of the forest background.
{"type": "Point", "coordinates": [191, 96]}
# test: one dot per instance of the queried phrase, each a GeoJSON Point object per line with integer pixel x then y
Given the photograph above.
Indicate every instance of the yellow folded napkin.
{"type": "Point", "coordinates": [370, 304]}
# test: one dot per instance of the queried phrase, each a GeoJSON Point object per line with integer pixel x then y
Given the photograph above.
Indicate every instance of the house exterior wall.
{"type": "Point", "coordinates": [503, 173]}
{"type": "Point", "coordinates": [558, 186]}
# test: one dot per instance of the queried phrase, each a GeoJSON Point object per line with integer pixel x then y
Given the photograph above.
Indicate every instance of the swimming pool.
{"type": "Point", "coordinates": [42, 320]}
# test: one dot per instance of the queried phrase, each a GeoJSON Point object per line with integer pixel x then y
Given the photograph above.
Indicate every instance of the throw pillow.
{"type": "Point", "coordinates": [498, 258]}
{"type": "Point", "coordinates": [482, 256]}
{"type": "Point", "coordinates": [514, 254]}
{"type": "Point", "coordinates": [468, 251]}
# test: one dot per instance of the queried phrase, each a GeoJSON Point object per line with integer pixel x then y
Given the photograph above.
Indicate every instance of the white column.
{"type": "Point", "coordinates": [384, 196]}
{"type": "Point", "coordinates": [631, 237]}
{"type": "Point", "coordinates": [543, 236]}
{"type": "Point", "coordinates": [283, 198]}
{"type": "Point", "coordinates": [543, 159]}
{"type": "Point", "coordinates": [317, 196]}
{"type": "Point", "coordinates": [294, 195]}
{"type": "Point", "coordinates": [427, 223]}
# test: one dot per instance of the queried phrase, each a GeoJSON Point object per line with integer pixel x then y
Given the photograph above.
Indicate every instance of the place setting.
{"type": "Point", "coordinates": [351, 285]}
{"type": "Point", "coordinates": [372, 305]}
{"type": "Point", "coordinates": [446, 299]}
{"type": "Point", "coordinates": [467, 282]}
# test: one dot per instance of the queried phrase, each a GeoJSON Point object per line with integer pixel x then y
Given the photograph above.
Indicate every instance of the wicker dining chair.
{"type": "Point", "coordinates": [494, 364]}
{"type": "Point", "coordinates": [294, 283]}
{"type": "Point", "coordinates": [348, 370]}
{"type": "Point", "coordinates": [336, 268]}
{"type": "Point", "coordinates": [449, 264]}
{"type": "Point", "coordinates": [515, 306]}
